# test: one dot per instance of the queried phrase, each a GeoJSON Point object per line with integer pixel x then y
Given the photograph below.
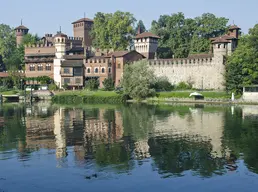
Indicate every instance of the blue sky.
{"type": "Point", "coordinates": [46, 16]}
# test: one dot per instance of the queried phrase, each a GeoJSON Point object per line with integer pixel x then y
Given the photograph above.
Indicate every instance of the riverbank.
{"type": "Point", "coordinates": [83, 96]}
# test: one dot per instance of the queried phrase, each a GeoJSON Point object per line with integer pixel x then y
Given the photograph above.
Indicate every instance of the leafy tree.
{"type": "Point", "coordinates": [162, 84]}
{"type": "Point", "coordinates": [113, 30]}
{"type": "Point", "coordinates": [7, 41]}
{"type": "Point", "coordinates": [65, 86]}
{"type": "Point", "coordinates": [181, 36]}
{"type": "Point", "coordinates": [242, 65]}
{"type": "Point", "coordinates": [142, 27]}
{"type": "Point", "coordinates": [109, 84]}
{"type": "Point", "coordinates": [137, 80]}
{"type": "Point", "coordinates": [92, 84]}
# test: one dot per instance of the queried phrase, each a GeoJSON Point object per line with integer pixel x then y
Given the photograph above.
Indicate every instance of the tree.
{"type": "Point", "coordinates": [109, 84]}
{"type": "Point", "coordinates": [207, 26]}
{"type": "Point", "coordinates": [142, 27]}
{"type": "Point", "coordinates": [113, 30]}
{"type": "Point", "coordinates": [181, 36]}
{"type": "Point", "coordinates": [92, 84]}
{"type": "Point", "coordinates": [242, 65]}
{"type": "Point", "coordinates": [137, 80]}
{"type": "Point", "coordinates": [7, 41]}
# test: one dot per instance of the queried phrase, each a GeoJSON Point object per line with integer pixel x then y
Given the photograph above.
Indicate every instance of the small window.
{"type": "Point", "coordinates": [32, 67]}
{"type": "Point", "coordinates": [103, 70]}
{"type": "Point", "coordinates": [219, 46]}
{"type": "Point", "coordinates": [96, 70]}
{"type": "Point", "coordinates": [40, 67]}
{"type": "Point", "coordinates": [109, 70]}
{"type": "Point", "coordinates": [77, 80]}
{"type": "Point", "coordinates": [66, 70]}
{"type": "Point", "coordinates": [224, 45]}
{"type": "Point", "coordinates": [66, 80]}
{"type": "Point", "coordinates": [48, 67]}
{"type": "Point", "coordinates": [88, 70]}
{"type": "Point", "coordinates": [119, 66]}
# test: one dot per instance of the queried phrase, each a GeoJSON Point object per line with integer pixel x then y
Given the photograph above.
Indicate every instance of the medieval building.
{"type": "Point", "coordinates": [73, 60]}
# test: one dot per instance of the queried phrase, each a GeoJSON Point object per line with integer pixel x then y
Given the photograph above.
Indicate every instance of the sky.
{"type": "Point", "coordinates": [47, 16]}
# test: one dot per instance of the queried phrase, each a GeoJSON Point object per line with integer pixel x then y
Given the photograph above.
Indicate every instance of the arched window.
{"type": "Point", "coordinates": [40, 67]}
{"type": "Point", "coordinates": [96, 70]}
{"type": "Point", "coordinates": [109, 70]}
{"type": "Point", "coordinates": [88, 70]}
{"type": "Point", "coordinates": [102, 70]}
{"type": "Point", "coordinates": [48, 67]}
{"type": "Point", "coordinates": [32, 67]}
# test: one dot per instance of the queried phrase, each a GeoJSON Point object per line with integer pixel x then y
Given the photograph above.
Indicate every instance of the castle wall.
{"type": "Point", "coordinates": [39, 49]}
{"type": "Point", "coordinates": [202, 73]}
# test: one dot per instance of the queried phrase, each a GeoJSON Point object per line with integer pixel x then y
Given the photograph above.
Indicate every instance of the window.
{"type": "Point", "coordinates": [224, 45]}
{"type": "Point", "coordinates": [218, 45]}
{"type": "Point", "coordinates": [96, 70]}
{"type": "Point", "coordinates": [40, 67]}
{"type": "Point", "coordinates": [77, 71]}
{"type": "Point", "coordinates": [66, 70]}
{"type": "Point", "coordinates": [119, 66]}
{"type": "Point", "coordinates": [32, 67]}
{"type": "Point", "coordinates": [77, 80]}
{"type": "Point", "coordinates": [102, 70]}
{"type": "Point", "coordinates": [109, 70]}
{"type": "Point", "coordinates": [48, 67]}
{"type": "Point", "coordinates": [66, 80]}
{"type": "Point", "coordinates": [88, 70]}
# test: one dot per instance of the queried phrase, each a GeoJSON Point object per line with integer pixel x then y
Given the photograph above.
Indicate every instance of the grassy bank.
{"type": "Point", "coordinates": [89, 97]}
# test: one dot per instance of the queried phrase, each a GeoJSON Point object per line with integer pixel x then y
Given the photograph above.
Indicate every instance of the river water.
{"type": "Point", "coordinates": [47, 147]}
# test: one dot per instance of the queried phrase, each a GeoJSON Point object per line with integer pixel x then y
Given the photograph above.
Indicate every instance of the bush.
{"type": "Point", "coordinates": [163, 84]}
{"type": "Point", "coordinates": [183, 86]}
{"type": "Point", "coordinates": [52, 87]}
{"type": "Point", "coordinates": [65, 86]}
{"type": "Point", "coordinates": [92, 84]}
{"type": "Point", "coordinates": [109, 84]}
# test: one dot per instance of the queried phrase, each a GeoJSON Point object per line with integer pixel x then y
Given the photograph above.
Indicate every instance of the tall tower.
{"type": "Point", "coordinates": [82, 28]}
{"type": "Point", "coordinates": [234, 31]}
{"type": "Point", "coordinates": [20, 32]}
{"type": "Point", "coordinates": [60, 40]}
{"type": "Point", "coordinates": [147, 44]}
{"type": "Point", "coordinates": [220, 49]}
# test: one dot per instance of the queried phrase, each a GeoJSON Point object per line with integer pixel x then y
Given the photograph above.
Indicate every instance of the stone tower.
{"type": "Point", "coordinates": [82, 28]}
{"type": "Point", "coordinates": [20, 32]}
{"type": "Point", "coordinates": [147, 44]}
{"type": "Point", "coordinates": [220, 49]}
{"type": "Point", "coordinates": [60, 41]}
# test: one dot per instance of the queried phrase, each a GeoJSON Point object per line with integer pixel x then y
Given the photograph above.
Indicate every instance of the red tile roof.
{"type": "Point", "coordinates": [234, 27]}
{"type": "Point", "coordinates": [221, 40]}
{"type": "Point", "coordinates": [118, 53]}
{"type": "Point", "coordinates": [60, 35]}
{"type": "Point", "coordinates": [4, 74]}
{"type": "Point", "coordinates": [21, 27]}
{"type": "Point", "coordinates": [146, 34]}
{"type": "Point", "coordinates": [83, 20]}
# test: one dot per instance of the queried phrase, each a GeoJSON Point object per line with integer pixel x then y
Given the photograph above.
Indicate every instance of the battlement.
{"type": "Point", "coordinates": [97, 60]}
{"type": "Point", "coordinates": [39, 45]}
{"type": "Point", "coordinates": [207, 60]}
{"type": "Point", "coordinates": [75, 38]}
{"type": "Point", "coordinates": [48, 35]}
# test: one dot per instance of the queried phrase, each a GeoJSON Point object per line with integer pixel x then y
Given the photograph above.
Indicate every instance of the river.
{"type": "Point", "coordinates": [133, 147]}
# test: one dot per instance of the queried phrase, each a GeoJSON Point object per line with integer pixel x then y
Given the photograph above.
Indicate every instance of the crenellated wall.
{"type": "Point", "coordinates": [202, 72]}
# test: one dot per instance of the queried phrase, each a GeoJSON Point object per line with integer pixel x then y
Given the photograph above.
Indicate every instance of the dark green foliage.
{"type": "Point", "coordinates": [109, 84]}
{"type": "Point", "coordinates": [163, 84]}
{"type": "Point", "coordinates": [92, 84]}
{"type": "Point", "coordinates": [183, 86]}
{"type": "Point", "coordinates": [65, 86]}
{"type": "Point", "coordinates": [97, 99]}
{"type": "Point", "coordinates": [181, 36]}
{"type": "Point", "coordinates": [242, 66]}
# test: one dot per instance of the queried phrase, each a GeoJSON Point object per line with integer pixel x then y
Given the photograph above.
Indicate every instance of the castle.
{"type": "Point", "coordinates": [73, 60]}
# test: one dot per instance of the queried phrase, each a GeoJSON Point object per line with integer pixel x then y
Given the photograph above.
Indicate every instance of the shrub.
{"type": "Point", "coordinates": [92, 84]}
{"type": "Point", "coordinates": [52, 87]}
{"type": "Point", "coordinates": [163, 84]}
{"type": "Point", "coordinates": [65, 86]}
{"type": "Point", "coordinates": [183, 86]}
{"type": "Point", "coordinates": [109, 84]}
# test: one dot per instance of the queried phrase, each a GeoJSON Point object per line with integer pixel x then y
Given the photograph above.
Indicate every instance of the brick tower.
{"type": "Point", "coordinates": [82, 28]}
{"type": "Point", "coordinates": [20, 32]}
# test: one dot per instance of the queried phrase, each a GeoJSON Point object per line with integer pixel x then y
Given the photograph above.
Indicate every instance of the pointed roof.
{"type": "Point", "coordinates": [146, 34]}
{"type": "Point", "coordinates": [232, 27]}
{"type": "Point", "coordinates": [21, 27]}
{"type": "Point", "coordinates": [83, 20]}
{"type": "Point", "coordinates": [221, 40]}
{"type": "Point", "coordinates": [60, 34]}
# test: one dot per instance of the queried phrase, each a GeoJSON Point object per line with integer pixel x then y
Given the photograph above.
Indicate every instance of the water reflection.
{"type": "Point", "coordinates": [175, 140]}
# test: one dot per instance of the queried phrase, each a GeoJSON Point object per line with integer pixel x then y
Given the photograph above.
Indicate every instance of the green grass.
{"type": "Point", "coordinates": [88, 93]}
{"type": "Point", "coordinates": [185, 94]}
{"type": "Point", "coordinates": [11, 92]}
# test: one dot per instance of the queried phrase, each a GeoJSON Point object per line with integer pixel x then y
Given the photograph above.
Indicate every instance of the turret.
{"type": "Point", "coordinates": [20, 32]}
{"type": "Point", "coordinates": [220, 48]}
{"type": "Point", "coordinates": [234, 31]}
{"type": "Point", "coordinates": [60, 40]}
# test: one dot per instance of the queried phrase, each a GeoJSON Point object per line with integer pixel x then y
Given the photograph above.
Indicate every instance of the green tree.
{"type": "Point", "coordinates": [242, 65]}
{"type": "Point", "coordinates": [137, 80]}
{"type": "Point", "coordinates": [113, 30]}
{"type": "Point", "coordinates": [92, 84]}
{"type": "Point", "coordinates": [142, 27]}
{"type": "Point", "coordinates": [207, 26]}
{"type": "Point", "coordinates": [7, 41]}
{"type": "Point", "coordinates": [109, 84]}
